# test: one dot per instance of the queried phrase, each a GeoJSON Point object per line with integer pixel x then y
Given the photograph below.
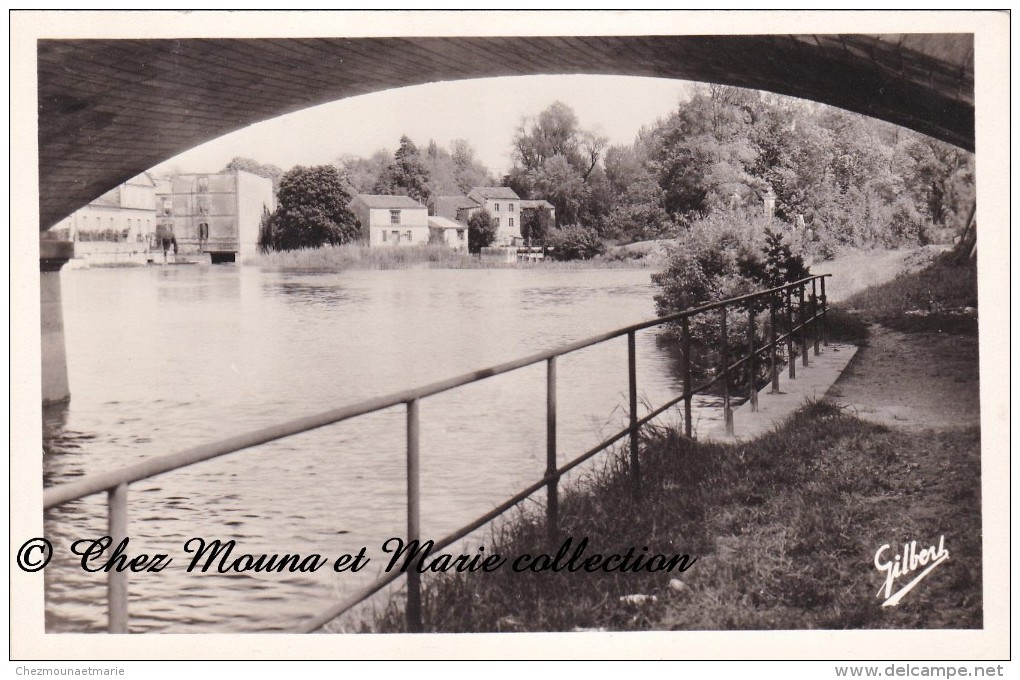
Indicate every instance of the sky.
{"type": "Point", "coordinates": [485, 112]}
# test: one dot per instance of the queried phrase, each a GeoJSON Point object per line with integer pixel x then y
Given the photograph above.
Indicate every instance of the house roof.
{"type": "Point", "coordinates": [436, 222]}
{"type": "Point", "coordinates": [382, 201]}
{"type": "Point", "coordinates": [527, 204]}
{"type": "Point", "coordinates": [494, 192]}
{"type": "Point", "coordinates": [456, 201]}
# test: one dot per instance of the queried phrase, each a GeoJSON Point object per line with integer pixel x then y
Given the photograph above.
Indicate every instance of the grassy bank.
{"type": "Point", "coordinates": [940, 296]}
{"type": "Point", "coordinates": [355, 256]}
{"type": "Point", "coordinates": [784, 529]}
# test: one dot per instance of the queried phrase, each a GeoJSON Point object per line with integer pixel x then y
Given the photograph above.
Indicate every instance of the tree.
{"type": "Point", "coordinates": [407, 175]}
{"type": "Point", "coordinates": [535, 225]}
{"type": "Point", "coordinates": [470, 172]}
{"type": "Point", "coordinates": [312, 209]}
{"type": "Point", "coordinates": [362, 174]}
{"type": "Point", "coordinates": [574, 242]}
{"type": "Point", "coordinates": [481, 231]}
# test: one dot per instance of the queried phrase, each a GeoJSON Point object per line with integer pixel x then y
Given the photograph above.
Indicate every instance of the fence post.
{"type": "Point", "coordinates": [814, 316]}
{"type": "Point", "coordinates": [117, 581]}
{"type": "Point", "coordinates": [414, 624]}
{"type": "Point", "coordinates": [686, 348]}
{"type": "Point", "coordinates": [789, 334]}
{"type": "Point", "coordinates": [552, 506]}
{"type": "Point", "coordinates": [803, 327]}
{"type": "Point", "coordinates": [751, 364]}
{"type": "Point", "coordinates": [772, 344]}
{"type": "Point", "coordinates": [727, 412]}
{"type": "Point", "coordinates": [825, 309]}
{"type": "Point", "coordinates": [635, 469]}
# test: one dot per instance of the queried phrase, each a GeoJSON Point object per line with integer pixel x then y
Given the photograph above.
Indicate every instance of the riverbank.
{"type": "Point", "coordinates": [786, 528]}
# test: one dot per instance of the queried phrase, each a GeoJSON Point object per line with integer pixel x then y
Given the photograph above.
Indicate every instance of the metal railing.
{"type": "Point", "coordinates": [779, 301]}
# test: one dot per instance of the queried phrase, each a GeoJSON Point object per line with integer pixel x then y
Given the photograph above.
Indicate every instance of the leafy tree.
{"type": "Point", "coordinates": [574, 242]}
{"type": "Point", "coordinates": [312, 209]}
{"type": "Point", "coordinates": [363, 174]}
{"type": "Point", "coordinates": [407, 175]}
{"type": "Point", "coordinates": [481, 231]}
{"type": "Point", "coordinates": [468, 170]}
{"type": "Point", "coordinates": [535, 225]}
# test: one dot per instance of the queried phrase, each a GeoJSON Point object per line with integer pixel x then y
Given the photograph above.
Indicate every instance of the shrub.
{"type": "Point", "coordinates": [574, 242]}
{"type": "Point", "coordinates": [481, 231]}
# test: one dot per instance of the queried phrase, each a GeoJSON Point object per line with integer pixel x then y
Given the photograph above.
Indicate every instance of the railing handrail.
{"type": "Point", "coordinates": [116, 481]}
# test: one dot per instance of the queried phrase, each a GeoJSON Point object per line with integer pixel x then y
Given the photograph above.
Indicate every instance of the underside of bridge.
{"type": "Point", "coordinates": [109, 109]}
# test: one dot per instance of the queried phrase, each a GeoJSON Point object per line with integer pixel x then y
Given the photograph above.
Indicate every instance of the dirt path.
{"type": "Point", "coordinates": [913, 381]}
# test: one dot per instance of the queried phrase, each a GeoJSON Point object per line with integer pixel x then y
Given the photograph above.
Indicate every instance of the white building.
{"type": "Point", "coordinates": [115, 225]}
{"type": "Point", "coordinates": [450, 232]}
{"type": "Point", "coordinates": [391, 220]}
{"type": "Point", "coordinates": [504, 206]}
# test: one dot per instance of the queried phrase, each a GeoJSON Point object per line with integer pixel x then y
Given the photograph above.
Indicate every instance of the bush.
{"type": "Point", "coordinates": [719, 258]}
{"type": "Point", "coordinates": [481, 231]}
{"type": "Point", "coordinates": [574, 242]}
{"type": "Point", "coordinates": [312, 210]}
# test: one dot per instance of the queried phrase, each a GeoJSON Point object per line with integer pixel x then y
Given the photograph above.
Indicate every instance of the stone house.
{"type": "Point", "coordinates": [391, 220]}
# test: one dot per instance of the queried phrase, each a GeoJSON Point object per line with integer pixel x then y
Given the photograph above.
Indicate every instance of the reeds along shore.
{"type": "Point", "coordinates": [356, 256]}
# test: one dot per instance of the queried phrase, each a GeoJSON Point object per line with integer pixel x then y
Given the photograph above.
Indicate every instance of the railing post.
{"type": "Point", "coordinates": [635, 468]}
{"type": "Point", "coordinates": [803, 327]}
{"type": "Point", "coordinates": [814, 316]}
{"type": "Point", "coordinates": [773, 368]}
{"type": "Point", "coordinates": [414, 623]}
{"type": "Point", "coordinates": [825, 309]}
{"type": "Point", "coordinates": [552, 505]}
{"type": "Point", "coordinates": [686, 349]}
{"type": "Point", "coordinates": [727, 411]}
{"type": "Point", "coordinates": [789, 334]}
{"type": "Point", "coordinates": [117, 581]}
{"type": "Point", "coordinates": [751, 364]}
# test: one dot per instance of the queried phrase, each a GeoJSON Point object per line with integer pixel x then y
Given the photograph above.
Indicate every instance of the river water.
{"type": "Point", "coordinates": [163, 358]}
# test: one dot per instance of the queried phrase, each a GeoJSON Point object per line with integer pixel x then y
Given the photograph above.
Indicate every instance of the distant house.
{"type": "Point", "coordinates": [124, 216]}
{"type": "Point", "coordinates": [391, 220]}
{"type": "Point", "coordinates": [502, 203]}
{"type": "Point", "coordinates": [455, 207]}
{"type": "Point", "coordinates": [504, 206]}
{"type": "Point", "coordinates": [450, 232]}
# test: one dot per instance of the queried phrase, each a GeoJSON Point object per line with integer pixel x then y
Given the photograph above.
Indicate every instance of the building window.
{"type": "Point", "coordinates": [460, 234]}
{"type": "Point", "coordinates": [203, 184]}
{"type": "Point", "coordinates": [394, 217]}
{"type": "Point", "coordinates": [511, 221]}
{"type": "Point", "coordinates": [408, 234]}
{"type": "Point", "coordinates": [497, 207]}
{"type": "Point", "coordinates": [510, 207]}
{"type": "Point", "coordinates": [495, 222]}
{"type": "Point", "coordinates": [395, 235]}
{"type": "Point", "coordinates": [384, 235]}
{"type": "Point", "coordinates": [168, 206]}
